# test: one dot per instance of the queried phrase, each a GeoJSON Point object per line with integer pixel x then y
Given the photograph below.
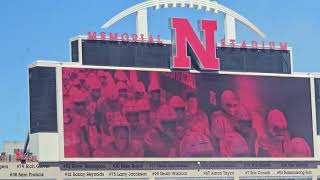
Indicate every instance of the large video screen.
{"type": "Point", "coordinates": [148, 114]}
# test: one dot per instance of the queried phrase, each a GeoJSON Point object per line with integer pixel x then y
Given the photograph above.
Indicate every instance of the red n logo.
{"type": "Point", "coordinates": [205, 51]}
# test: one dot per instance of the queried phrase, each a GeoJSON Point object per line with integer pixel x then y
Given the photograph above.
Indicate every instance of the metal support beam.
{"type": "Point", "coordinates": [142, 22]}
{"type": "Point", "coordinates": [229, 28]}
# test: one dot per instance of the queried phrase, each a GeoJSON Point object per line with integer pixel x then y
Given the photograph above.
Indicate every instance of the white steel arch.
{"type": "Point", "coordinates": [206, 5]}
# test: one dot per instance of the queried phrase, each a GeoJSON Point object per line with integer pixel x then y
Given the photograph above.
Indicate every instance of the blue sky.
{"type": "Point", "coordinates": [37, 29]}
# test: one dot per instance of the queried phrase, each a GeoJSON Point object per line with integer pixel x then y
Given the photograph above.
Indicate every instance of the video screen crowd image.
{"type": "Point", "coordinates": [132, 114]}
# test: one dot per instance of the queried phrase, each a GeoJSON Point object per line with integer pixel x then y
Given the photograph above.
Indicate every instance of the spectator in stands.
{"type": "Point", "coordinates": [244, 126]}
{"type": "Point", "coordinates": [18, 154]}
{"type": "Point", "coordinates": [222, 122]}
{"type": "Point", "coordinates": [275, 143]}
{"type": "Point", "coordinates": [194, 115]}
{"type": "Point", "coordinates": [162, 140]}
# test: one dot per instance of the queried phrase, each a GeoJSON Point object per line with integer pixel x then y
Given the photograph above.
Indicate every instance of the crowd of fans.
{"type": "Point", "coordinates": [18, 156]}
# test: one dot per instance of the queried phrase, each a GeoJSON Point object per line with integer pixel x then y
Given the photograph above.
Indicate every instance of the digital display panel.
{"type": "Point", "coordinates": [151, 55]}
{"type": "Point", "coordinates": [149, 114]}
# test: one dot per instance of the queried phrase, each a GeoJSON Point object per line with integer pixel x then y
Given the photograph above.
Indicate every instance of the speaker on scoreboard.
{"type": "Point", "coordinates": [317, 94]}
{"type": "Point", "coordinates": [42, 98]}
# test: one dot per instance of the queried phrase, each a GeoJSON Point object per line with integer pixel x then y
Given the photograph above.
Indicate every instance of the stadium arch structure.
{"type": "Point", "coordinates": [140, 10]}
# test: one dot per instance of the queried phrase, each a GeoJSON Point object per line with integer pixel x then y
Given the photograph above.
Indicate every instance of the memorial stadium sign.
{"type": "Point", "coordinates": [183, 35]}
